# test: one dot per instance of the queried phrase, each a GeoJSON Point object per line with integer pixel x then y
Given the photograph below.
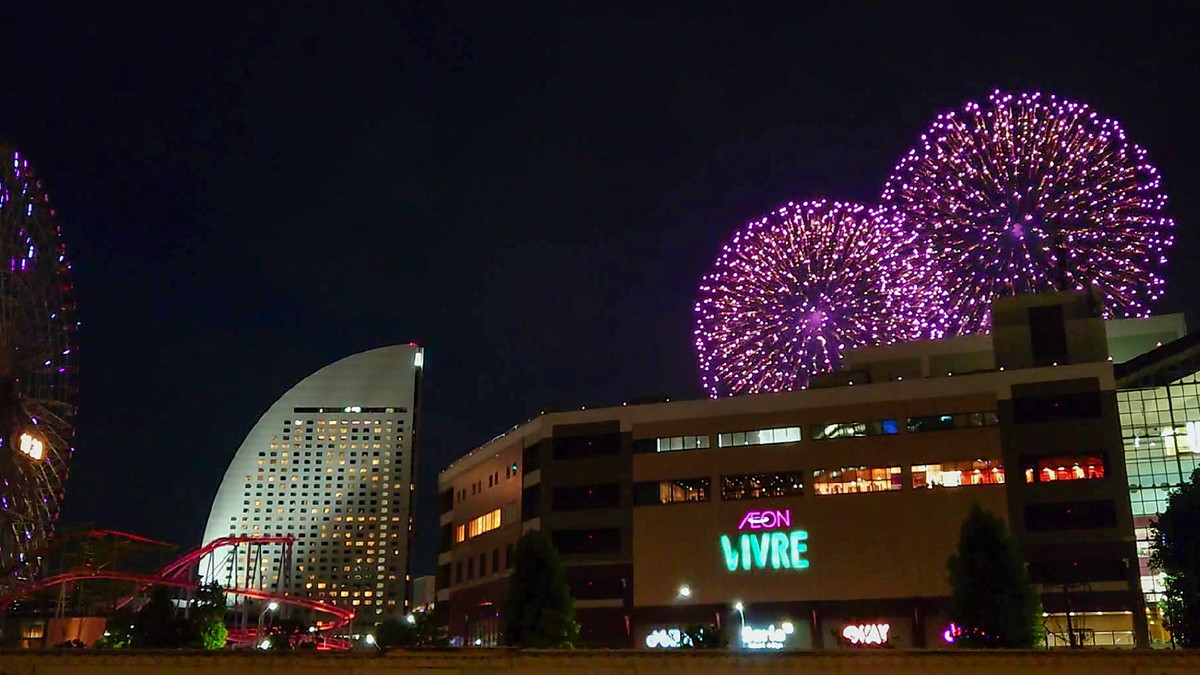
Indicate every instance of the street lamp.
{"type": "Point", "coordinates": [411, 619]}
{"type": "Point", "coordinates": [741, 610]}
{"type": "Point", "coordinates": [269, 608]}
{"type": "Point", "coordinates": [685, 591]}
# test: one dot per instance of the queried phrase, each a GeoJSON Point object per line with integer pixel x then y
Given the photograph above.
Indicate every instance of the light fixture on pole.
{"type": "Point", "coordinates": [269, 608]}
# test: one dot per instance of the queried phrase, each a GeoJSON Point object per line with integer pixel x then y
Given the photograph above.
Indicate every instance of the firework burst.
{"type": "Point", "coordinates": [1029, 193]}
{"type": "Point", "coordinates": [790, 292]}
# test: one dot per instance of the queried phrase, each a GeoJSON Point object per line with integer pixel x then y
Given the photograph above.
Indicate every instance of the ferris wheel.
{"type": "Point", "coordinates": [37, 367]}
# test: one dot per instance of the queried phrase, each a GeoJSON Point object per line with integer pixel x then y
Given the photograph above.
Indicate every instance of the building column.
{"type": "Point", "coordinates": [918, 625]}
{"type": "Point", "coordinates": [814, 629]}
{"type": "Point", "coordinates": [1141, 631]}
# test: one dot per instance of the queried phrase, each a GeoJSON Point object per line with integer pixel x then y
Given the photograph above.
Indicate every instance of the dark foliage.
{"type": "Point", "coordinates": [156, 625]}
{"type": "Point", "coordinates": [991, 598]}
{"type": "Point", "coordinates": [538, 610]}
{"type": "Point", "coordinates": [206, 618]}
{"type": "Point", "coordinates": [704, 636]}
{"type": "Point", "coordinates": [1175, 552]}
{"type": "Point", "coordinates": [426, 629]}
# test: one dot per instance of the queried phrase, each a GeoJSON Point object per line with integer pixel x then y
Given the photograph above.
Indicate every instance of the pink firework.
{"type": "Point", "coordinates": [790, 292]}
{"type": "Point", "coordinates": [1028, 193]}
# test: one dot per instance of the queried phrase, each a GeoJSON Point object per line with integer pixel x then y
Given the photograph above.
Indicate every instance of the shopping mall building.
{"type": "Point", "coordinates": [823, 518]}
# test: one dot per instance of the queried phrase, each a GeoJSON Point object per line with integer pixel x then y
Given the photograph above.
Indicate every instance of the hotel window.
{"type": "Point", "coordinates": [822, 432]}
{"type": "Point", "coordinates": [761, 485]}
{"type": "Point", "coordinates": [759, 437]}
{"type": "Point", "coordinates": [648, 493]}
{"type": "Point", "coordinates": [851, 480]}
{"type": "Point", "coordinates": [957, 474]}
{"type": "Point", "coordinates": [1063, 467]}
{"type": "Point", "coordinates": [952, 421]}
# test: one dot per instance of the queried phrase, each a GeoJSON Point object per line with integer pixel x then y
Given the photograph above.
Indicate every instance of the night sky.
{"type": "Point", "coordinates": [531, 192]}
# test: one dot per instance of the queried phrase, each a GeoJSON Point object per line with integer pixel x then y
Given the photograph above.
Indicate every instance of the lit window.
{"type": "Point", "coordinates": [680, 443]}
{"type": "Point", "coordinates": [1066, 467]}
{"type": "Point", "coordinates": [678, 491]}
{"type": "Point", "coordinates": [760, 485]}
{"type": "Point", "coordinates": [477, 526]}
{"type": "Point", "coordinates": [952, 421]}
{"type": "Point", "coordinates": [851, 480]}
{"type": "Point", "coordinates": [822, 432]}
{"type": "Point", "coordinates": [957, 474]}
{"type": "Point", "coordinates": [759, 437]}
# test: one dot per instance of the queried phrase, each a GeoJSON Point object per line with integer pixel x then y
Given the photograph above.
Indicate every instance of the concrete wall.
{"type": "Point", "coordinates": [481, 662]}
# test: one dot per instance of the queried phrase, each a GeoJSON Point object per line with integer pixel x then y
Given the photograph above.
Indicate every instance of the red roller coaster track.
{"type": "Point", "coordinates": [182, 573]}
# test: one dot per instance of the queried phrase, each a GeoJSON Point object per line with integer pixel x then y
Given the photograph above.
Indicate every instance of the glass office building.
{"type": "Point", "coordinates": [1159, 404]}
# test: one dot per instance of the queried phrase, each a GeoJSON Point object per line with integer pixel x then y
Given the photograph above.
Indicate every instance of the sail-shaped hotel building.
{"type": "Point", "coordinates": [329, 466]}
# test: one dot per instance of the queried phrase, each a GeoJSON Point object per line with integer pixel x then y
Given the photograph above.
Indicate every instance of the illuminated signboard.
{"type": "Point", "coordinates": [667, 638]}
{"type": "Point", "coordinates": [777, 550]}
{"type": "Point", "coordinates": [767, 638]}
{"type": "Point", "coordinates": [766, 520]}
{"type": "Point", "coordinates": [866, 633]}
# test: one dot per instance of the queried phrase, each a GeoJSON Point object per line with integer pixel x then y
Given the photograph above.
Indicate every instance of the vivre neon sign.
{"type": "Point", "coordinates": [778, 549]}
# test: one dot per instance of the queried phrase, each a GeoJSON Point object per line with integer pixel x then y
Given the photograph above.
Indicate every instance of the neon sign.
{"type": "Point", "coordinates": [766, 520]}
{"type": "Point", "coordinates": [767, 638]}
{"type": "Point", "coordinates": [866, 633]}
{"type": "Point", "coordinates": [667, 638]}
{"type": "Point", "coordinates": [769, 550]}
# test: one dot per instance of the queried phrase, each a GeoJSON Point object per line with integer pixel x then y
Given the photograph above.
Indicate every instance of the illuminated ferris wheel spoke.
{"type": "Point", "coordinates": [37, 353]}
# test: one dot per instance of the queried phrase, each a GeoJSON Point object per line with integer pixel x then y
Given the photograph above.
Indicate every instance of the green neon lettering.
{"type": "Point", "coordinates": [779, 550]}
{"type": "Point", "coordinates": [731, 556]}
{"type": "Point", "coordinates": [761, 548]}
{"type": "Point", "coordinates": [774, 550]}
{"type": "Point", "coordinates": [799, 548]}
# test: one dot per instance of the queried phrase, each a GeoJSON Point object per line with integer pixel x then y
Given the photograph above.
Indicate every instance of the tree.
{"type": "Point", "coordinates": [156, 625]}
{"type": "Point", "coordinates": [419, 629]}
{"type": "Point", "coordinates": [704, 636]}
{"type": "Point", "coordinates": [538, 609]}
{"type": "Point", "coordinates": [1175, 551]}
{"type": "Point", "coordinates": [207, 617]}
{"type": "Point", "coordinates": [119, 630]}
{"type": "Point", "coordinates": [991, 601]}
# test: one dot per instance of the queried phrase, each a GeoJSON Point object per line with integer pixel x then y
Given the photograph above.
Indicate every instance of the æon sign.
{"type": "Point", "coordinates": [866, 633]}
{"type": "Point", "coordinates": [766, 520]}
